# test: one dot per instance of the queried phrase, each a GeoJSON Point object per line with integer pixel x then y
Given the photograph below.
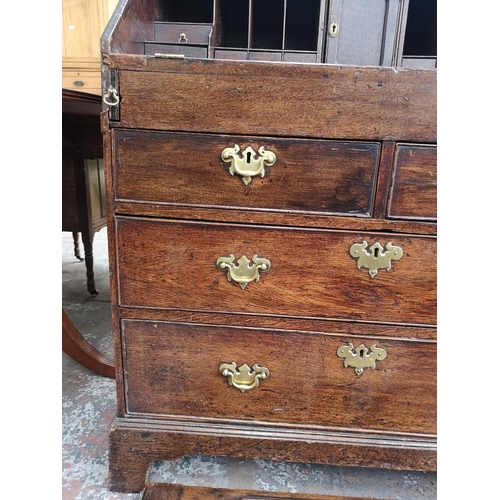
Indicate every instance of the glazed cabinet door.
{"type": "Point", "coordinates": [364, 32]}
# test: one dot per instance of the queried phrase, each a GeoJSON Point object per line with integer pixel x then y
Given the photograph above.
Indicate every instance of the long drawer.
{"type": "Point", "coordinates": [248, 172]}
{"type": "Point", "coordinates": [290, 377]}
{"type": "Point", "coordinates": [276, 271]}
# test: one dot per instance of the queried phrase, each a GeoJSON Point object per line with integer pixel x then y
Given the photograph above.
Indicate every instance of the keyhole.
{"type": "Point", "coordinates": [375, 253]}
{"type": "Point", "coordinates": [361, 353]}
{"type": "Point", "coordinates": [249, 157]}
{"type": "Point", "coordinates": [333, 29]}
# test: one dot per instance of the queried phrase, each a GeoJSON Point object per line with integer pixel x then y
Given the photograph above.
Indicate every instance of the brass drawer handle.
{"type": "Point", "coordinates": [244, 377]}
{"type": "Point", "coordinates": [113, 94]}
{"type": "Point", "coordinates": [244, 271]}
{"type": "Point", "coordinates": [377, 258]}
{"type": "Point", "coordinates": [183, 38]}
{"type": "Point", "coordinates": [361, 357]}
{"type": "Point", "coordinates": [247, 163]}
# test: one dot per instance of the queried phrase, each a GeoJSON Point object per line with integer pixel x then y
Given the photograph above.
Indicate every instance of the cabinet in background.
{"type": "Point", "coordinates": [82, 25]}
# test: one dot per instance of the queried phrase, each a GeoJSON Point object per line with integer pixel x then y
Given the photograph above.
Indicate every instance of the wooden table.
{"type": "Point", "coordinates": [83, 206]}
{"type": "Point", "coordinates": [83, 194]}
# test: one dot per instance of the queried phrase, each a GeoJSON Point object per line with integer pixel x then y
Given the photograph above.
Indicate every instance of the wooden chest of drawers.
{"type": "Point", "coordinates": [273, 262]}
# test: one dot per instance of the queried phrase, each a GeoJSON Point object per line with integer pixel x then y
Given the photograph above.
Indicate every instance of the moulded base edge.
{"type": "Point", "coordinates": [135, 443]}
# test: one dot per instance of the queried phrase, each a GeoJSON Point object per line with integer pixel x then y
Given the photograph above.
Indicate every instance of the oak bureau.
{"type": "Point", "coordinates": [272, 238]}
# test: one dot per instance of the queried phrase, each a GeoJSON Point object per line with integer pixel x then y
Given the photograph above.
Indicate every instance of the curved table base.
{"type": "Point", "coordinates": [76, 347]}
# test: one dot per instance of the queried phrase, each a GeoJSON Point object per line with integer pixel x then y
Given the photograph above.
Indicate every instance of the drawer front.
{"type": "Point", "coordinates": [305, 176]}
{"type": "Point", "coordinates": [414, 187]}
{"type": "Point", "coordinates": [268, 99]}
{"type": "Point", "coordinates": [186, 265]}
{"type": "Point", "coordinates": [85, 81]}
{"type": "Point", "coordinates": [197, 34]}
{"type": "Point", "coordinates": [175, 369]}
{"type": "Point", "coordinates": [150, 49]}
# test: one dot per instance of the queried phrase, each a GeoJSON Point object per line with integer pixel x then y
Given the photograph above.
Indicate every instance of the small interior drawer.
{"type": "Point", "coordinates": [414, 185]}
{"type": "Point", "coordinates": [150, 49]}
{"type": "Point", "coordinates": [294, 377]}
{"type": "Point", "coordinates": [183, 33]}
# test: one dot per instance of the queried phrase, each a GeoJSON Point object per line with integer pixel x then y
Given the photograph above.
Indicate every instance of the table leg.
{"type": "Point", "coordinates": [76, 245]}
{"type": "Point", "coordinates": [75, 346]}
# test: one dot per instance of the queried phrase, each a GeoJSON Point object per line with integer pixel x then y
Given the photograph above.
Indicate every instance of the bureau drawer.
{"type": "Point", "coordinates": [335, 177]}
{"type": "Point", "coordinates": [150, 49]}
{"type": "Point", "coordinates": [187, 265]}
{"type": "Point", "coordinates": [183, 33]}
{"type": "Point", "coordinates": [175, 369]}
{"type": "Point", "coordinates": [414, 186]}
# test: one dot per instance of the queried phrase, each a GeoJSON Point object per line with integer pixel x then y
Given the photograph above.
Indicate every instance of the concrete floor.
{"type": "Point", "coordinates": [88, 407]}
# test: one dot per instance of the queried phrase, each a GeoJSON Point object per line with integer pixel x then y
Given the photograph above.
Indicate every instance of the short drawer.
{"type": "Point", "coordinates": [184, 33]}
{"type": "Point", "coordinates": [276, 271]}
{"type": "Point", "coordinates": [320, 176]}
{"type": "Point", "coordinates": [414, 186]}
{"type": "Point", "coordinates": [300, 378]}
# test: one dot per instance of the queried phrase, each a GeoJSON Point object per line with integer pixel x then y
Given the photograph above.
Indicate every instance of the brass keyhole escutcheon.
{"type": "Point", "coordinates": [362, 357]}
{"type": "Point", "coordinates": [376, 257]}
{"type": "Point", "coordinates": [333, 29]}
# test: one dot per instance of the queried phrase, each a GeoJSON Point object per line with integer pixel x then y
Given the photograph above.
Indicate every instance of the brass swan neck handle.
{"type": "Point", "coordinates": [244, 377]}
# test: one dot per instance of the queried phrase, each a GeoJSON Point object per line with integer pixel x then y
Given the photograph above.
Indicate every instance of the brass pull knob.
{"type": "Point", "coordinates": [377, 258]}
{"type": "Point", "coordinates": [247, 163]}
{"type": "Point", "coordinates": [244, 271]}
{"type": "Point", "coordinates": [183, 38]}
{"type": "Point", "coordinates": [361, 357]}
{"type": "Point", "coordinates": [244, 377]}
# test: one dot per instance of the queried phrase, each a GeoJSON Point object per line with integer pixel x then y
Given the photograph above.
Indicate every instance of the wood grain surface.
{"type": "Point", "coordinates": [136, 442]}
{"type": "Point", "coordinates": [308, 383]}
{"type": "Point", "coordinates": [414, 185]}
{"type": "Point", "coordinates": [257, 98]}
{"type": "Point", "coordinates": [335, 177]}
{"type": "Point", "coordinates": [312, 273]}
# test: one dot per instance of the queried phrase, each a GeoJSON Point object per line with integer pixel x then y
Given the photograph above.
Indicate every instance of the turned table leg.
{"type": "Point", "coordinates": [76, 245]}
{"type": "Point", "coordinates": [89, 262]}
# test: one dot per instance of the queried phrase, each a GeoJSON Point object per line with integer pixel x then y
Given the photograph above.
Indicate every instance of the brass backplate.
{"type": "Point", "coordinates": [244, 377]}
{"type": "Point", "coordinates": [248, 163]}
{"type": "Point", "coordinates": [243, 271]}
{"type": "Point", "coordinates": [361, 357]}
{"type": "Point", "coordinates": [376, 258]}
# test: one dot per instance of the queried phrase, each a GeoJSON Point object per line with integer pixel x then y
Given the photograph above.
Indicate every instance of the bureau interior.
{"type": "Point", "coordinates": [385, 33]}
